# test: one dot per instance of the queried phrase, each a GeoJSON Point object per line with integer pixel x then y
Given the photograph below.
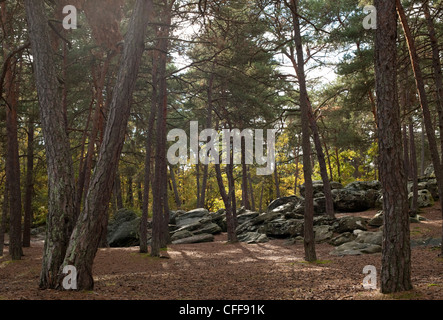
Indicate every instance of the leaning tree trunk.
{"type": "Point", "coordinates": [61, 206]}
{"type": "Point", "coordinates": [430, 132]}
{"type": "Point", "coordinates": [86, 235]}
{"type": "Point", "coordinates": [396, 252]}
{"type": "Point", "coordinates": [309, 239]}
{"type": "Point", "coordinates": [437, 68]}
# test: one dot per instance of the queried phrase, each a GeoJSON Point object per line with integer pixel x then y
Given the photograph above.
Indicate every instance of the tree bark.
{"type": "Point", "coordinates": [276, 182]}
{"type": "Point", "coordinates": [309, 239]}
{"type": "Point", "coordinates": [202, 197]}
{"type": "Point", "coordinates": [86, 235]}
{"type": "Point", "coordinates": [437, 68]}
{"type": "Point", "coordinates": [174, 187]}
{"type": "Point", "coordinates": [29, 184]}
{"type": "Point", "coordinates": [160, 208]}
{"type": "Point", "coordinates": [61, 206]}
{"type": "Point", "coordinates": [413, 169]}
{"type": "Point", "coordinates": [12, 164]}
{"type": "Point", "coordinates": [430, 132]}
{"type": "Point", "coordinates": [150, 141]}
{"type": "Point", "coordinates": [4, 223]}
{"type": "Point", "coordinates": [396, 252]}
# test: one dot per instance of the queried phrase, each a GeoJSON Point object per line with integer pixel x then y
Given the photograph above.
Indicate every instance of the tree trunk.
{"type": "Point", "coordinates": [130, 193]}
{"type": "Point", "coordinates": [12, 164]}
{"type": "Point", "coordinates": [329, 203]}
{"type": "Point", "coordinates": [437, 68]}
{"type": "Point", "coordinates": [405, 151]}
{"type": "Point", "coordinates": [118, 191]}
{"type": "Point", "coordinates": [276, 182]}
{"type": "Point", "coordinates": [396, 252]}
{"type": "Point", "coordinates": [309, 239]}
{"type": "Point", "coordinates": [174, 187]}
{"type": "Point", "coordinates": [430, 132]}
{"type": "Point", "coordinates": [86, 235]}
{"type": "Point", "coordinates": [29, 184]}
{"type": "Point", "coordinates": [202, 197]}
{"type": "Point", "coordinates": [244, 181]}
{"type": "Point", "coordinates": [160, 205]}
{"type": "Point", "coordinates": [150, 141]}
{"type": "Point", "coordinates": [251, 191]}
{"type": "Point", "coordinates": [4, 223]}
{"type": "Point", "coordinates": [413, 169]}
{"type": "Point", "coordinates": [61, 206]}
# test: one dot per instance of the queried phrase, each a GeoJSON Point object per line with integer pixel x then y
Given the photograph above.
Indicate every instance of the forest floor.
{"type": "Point", "coordinates": [219, 271]}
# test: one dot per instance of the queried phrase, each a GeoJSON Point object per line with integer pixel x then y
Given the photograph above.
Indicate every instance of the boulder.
{"type": "Point", "coordinates": [245, 216]}
{"type": "Point", "coordinates": [219, 218]}
{"type": "Point", "coordinates": [355, 248]}
{"type": "Point", "coordinates": [351, 223]}
{"type": "Point", "coordinates": [210, 228]}
{"type": "Point", "coordinates": [342, 238]}
{"type": "Point", "coordinates": [377, 220]}
{"type": "Point", "coordinates": [282, 228]}
{"type": "Point", "coordinates": [282, 201]}
{"type": "Point", "coordinates": [191, 217]}
{"type": "Point", "coordinates": [181, 234]}
{"type": "Point", "coordinates": [424, 199]}
{"type": "Point", "coordinates": [124, 233]}
{"type": "Point", "coordinates": [323, 233]}
{"type": "Point", "coordinates": [317, 186]}
{"type": "Point", "coordinates": [430, 172]}
{"type": "Point", "coordinates": [252, 237]}
{"type": "Point", "coordinates": [204, 237]}
{"type": "Point", "coordinates": [369, 237]}
{"type": "Point", "coordinates": [353, 200]}
{"type": "Point", "coordinates": [364, 185]}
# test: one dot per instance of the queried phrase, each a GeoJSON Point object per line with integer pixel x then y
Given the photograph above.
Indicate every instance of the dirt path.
{"type": "Point", "coordinates": [217, 270]}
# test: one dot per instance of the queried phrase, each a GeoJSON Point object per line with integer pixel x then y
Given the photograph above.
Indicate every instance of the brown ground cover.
{"type": "Point", "coordinates": [221, 271]}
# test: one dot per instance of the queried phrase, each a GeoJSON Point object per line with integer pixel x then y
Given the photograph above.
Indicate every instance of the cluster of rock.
{"type": "Point", "coordinates": [283, 219]}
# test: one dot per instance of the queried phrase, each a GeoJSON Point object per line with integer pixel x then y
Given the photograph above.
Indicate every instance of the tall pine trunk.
{"type": "Point", "coordinates": [86, 235]}
{"type": "Point", "coordinates": [309, 238]}
{"type": "Point", "coordinates": [150, 141]}
{"type": "Point", "coordinates": [61, 206]}
{"type": "Point", "coordinates": [430, 132]}
{"type": "Point", "coordinates": [29, 184]}
{"type": "Point", "coordinates": [396, 252]}
{"type": "Point", "coordinates": [160, 210]}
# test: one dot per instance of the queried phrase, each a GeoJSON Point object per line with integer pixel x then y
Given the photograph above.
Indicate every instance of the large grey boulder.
{"type": "Point", "coordinates": [355, 248]}
{"type": "Point", "coordinates": [323, 233]}
{"type": "Point", "coordinates": [210, 228]}
{"type": "Point", "coordinates": [123, 229]}
{"type": "Point", "coordinates": [191, 217]}
{"type": "Point", "coordinates": [351, 200]}
{"type": "Point", "coordinates": [317, 186]}
{"type": "Point", "coordinates": [351, 223]}
{"type": "Point", "coordinates": [204, 237]}
{"type": "Point", "coordinates": [342, 238]}
{"type": "Point", "coordinates": [369, 237]}
{"type": "Point", "coordinates": [282, 201]}
{"type": "Point", "coordinates": [282, 228]}
{"type": "Point", "coordinates": [366, 242]}
{"type": "Point", "coordinates": [377, 220]}
{"type": "Point", "coordinates": [181, 234]}
{"type": "Point", "coordinates": [252, 237]}
{"type": "Point", "coordinates": [424, 199]}
{"type": "Point", "coordinates": [364, 185]}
